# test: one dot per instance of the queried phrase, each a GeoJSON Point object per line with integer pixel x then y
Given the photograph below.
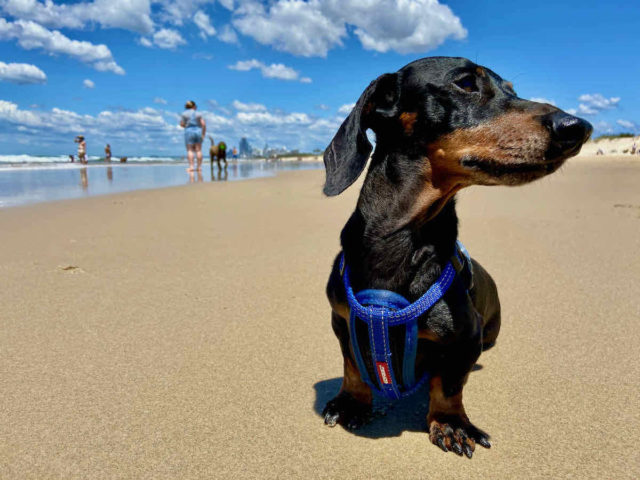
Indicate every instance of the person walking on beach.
{"type": "Point", "coordinates": [195, 130]}
{"type": "Point", "coordinates": [82, 149]}
{"type": "Point", "coordinates": [107, 153]}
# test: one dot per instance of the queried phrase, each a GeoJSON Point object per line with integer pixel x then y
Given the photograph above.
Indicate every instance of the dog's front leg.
{"type": "Point", "coordinates": [352, 406]}
{"type": "Point", "coordinates": [449, 426]}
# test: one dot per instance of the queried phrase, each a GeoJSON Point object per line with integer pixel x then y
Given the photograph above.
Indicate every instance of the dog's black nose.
{"type": "Point", "coordinates": [566, 130]}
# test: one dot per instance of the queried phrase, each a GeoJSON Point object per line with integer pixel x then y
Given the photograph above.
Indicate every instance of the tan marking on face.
{"type": "Point", "coordinates": [511, 139]}
{"type": "Point", "coordinates": [408, 120]}
{"type": "Point", "coordinates": [440, 184]}
{"type": "Point", "coordinates": [480, 71]}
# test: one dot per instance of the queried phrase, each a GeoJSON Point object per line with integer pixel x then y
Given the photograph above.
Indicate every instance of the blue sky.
{"type": "Point", "coordinates": [284, 72]}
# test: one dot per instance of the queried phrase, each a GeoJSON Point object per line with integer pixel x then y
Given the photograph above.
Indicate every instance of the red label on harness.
{"type": "Point", "coordinates": [383, 372]}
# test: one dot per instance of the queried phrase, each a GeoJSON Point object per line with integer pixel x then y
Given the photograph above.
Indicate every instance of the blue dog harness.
{"type": "Point", "coordinates": [375, 312]}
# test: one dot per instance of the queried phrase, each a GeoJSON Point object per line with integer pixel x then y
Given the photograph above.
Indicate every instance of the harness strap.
{"type": "Point", "coordinates": [378, 334]}
{"type": "Point", "coordinates": [411, 311]}
{"type": "Point", "coordinates": [380, 309]}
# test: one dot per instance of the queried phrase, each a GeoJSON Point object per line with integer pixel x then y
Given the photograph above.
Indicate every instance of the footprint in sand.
{"type": "Point", "coordinates": [629, 207]}
{"type": "Point", "coordinates": [71, 268]}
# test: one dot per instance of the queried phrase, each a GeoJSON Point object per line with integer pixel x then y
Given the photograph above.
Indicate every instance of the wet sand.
{"type": "Point", "coordinates": [184, 333]}
{"type": "Point", "coordinates": [32, 183]}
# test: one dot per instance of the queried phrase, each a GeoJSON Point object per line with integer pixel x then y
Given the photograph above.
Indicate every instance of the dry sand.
{"type": "Point", "coordinates": [183, 333]}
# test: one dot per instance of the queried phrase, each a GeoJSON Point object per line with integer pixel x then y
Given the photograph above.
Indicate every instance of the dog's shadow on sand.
{"type": "Point", "coordinates": [409, 414]}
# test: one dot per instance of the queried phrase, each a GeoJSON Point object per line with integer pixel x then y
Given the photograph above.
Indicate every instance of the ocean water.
{"type": "Point", "coordinates": [43, 160]}
{"type": "Point", "coordinates": [49, 178]}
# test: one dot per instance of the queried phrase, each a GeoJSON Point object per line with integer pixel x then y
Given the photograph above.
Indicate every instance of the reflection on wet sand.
{"type": "Point", "coordinates": [192, 176]}
{"type": "Point", "coordinates": [84, 178]}
{"type": "Point", "coordinates": [221, 175]}
{"type": "Point", "coordinates": [24, 185]}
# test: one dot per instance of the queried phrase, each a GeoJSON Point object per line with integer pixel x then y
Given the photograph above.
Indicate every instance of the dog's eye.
{"type": "Point", "coordinates": [467, 83]}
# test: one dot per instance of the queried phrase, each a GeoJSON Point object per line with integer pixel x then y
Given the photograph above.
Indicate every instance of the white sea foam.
{"type": "Point", "coordinates": [35, 161]}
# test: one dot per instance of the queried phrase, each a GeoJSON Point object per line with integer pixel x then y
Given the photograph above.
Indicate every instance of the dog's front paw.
{"type": "Point", "coordinates": [347, 411]}
{"type": "Point", "coordinates": [456, 433]}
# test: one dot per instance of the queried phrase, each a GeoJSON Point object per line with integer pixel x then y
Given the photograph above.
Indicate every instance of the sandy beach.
{"type": "Point", "coordinates": [612, 147]}
{"type": "Point", "coordinates": [184, 333]}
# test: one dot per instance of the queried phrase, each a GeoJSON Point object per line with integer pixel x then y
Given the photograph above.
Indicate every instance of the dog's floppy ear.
{"type": "Point", "coordinates": [348, 152]}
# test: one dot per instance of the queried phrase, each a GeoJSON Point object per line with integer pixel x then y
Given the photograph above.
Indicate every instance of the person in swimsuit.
{"type": "Point", "coordinates": [195, 130]}
{"type": "Point", "coordinates": [107, 153]}
{"type": "Point", "coordinates": [82, 149]}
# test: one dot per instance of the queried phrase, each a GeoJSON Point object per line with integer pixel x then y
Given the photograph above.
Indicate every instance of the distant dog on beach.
{"type": "Point", "coordinates": [218, 152]}
{"type": "Point", "coordinates": [408, 303]}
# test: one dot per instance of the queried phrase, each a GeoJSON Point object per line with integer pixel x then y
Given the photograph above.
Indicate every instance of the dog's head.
{"type": "Point", "coordinates": [461, 121]}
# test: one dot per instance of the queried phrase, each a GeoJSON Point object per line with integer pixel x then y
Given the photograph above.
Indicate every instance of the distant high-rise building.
{"type": "Point", "coordinates": [244, 148]}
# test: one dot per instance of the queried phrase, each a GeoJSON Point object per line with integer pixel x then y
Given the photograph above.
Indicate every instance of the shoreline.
{"type": "Point", "coordinates": [47, 182]}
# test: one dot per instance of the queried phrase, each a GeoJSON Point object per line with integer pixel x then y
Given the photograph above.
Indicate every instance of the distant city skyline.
{"type": "Point", "coordinates": [285, 73]}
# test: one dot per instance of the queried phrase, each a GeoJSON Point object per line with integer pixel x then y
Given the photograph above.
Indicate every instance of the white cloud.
{"type": "Point", "coordinates": [542, 100]}
{"type": "Point", "coordinates": [328, 125]}
{"type": "Point", "coordinates": [346, 108]}
{"type": "Point", "coordinates": [203, 22]}
{"type": "Point", "coordinates": [228, 34]}
{"type": "Point", "coordinates": [202, 56]}
{"type": "Point", "coordinates": [228, 4]}
{"type": "Point", "coordinates": [145, 42]}
{"type": "Point", "coordinates": [21, 73]}
{"type": "Point", "coordinates": [167, 38]}
{"type": "Point", "coordinates": [280, 71]}
{"type": "Point", "coordinates": [312, 28]}
{"type": "Point", "coordinates": [151, 126]}
{"type": "Point", "coordinates": [626, 124]}
{"type": "Point", "coordinates": [592, 104]}
{"type": "Point", "coordinates": [214, 105]}
{"type": "Point", "coordinates": [598, 101]}
{"type": "Point", "coordinates": [586, 110]}
{"type": "Point", "coordinates": [177, 11]}
{"type": "Point", "coordinates": [64, 121]}
{"type": "Point", "coordinates": [134, 15]}
{"type": "Point", "coordinates": [295, 26]}
{"type": "Point", "coordinates": [273, 119]}
{"type": "Point", "coordinates": [31, 36]}
{"type": "Point", "coordinates": [248, 107]}
{"type": "Point", "coordinates": [275, 70]}
{"type": "Point", "coordinates": [602, 127]}
{"type": "Point", "coordinates": [322, 106]}
{"type": "Point", "coordinates": [246, 65]}
{"type": "Point", "coordinates": [86, 83]}
{"type": "Point", "coordinates": [408, 26]}
{"type": "Point", "coordinates": [160, 100]}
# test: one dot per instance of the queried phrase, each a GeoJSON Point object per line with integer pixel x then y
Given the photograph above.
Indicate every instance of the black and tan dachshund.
{"type": "Point", "coordinates": [441, 124]}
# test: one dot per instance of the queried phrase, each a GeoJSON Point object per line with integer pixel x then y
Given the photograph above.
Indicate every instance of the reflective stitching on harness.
{"type": "Point", "coordinates": [372, 343]}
